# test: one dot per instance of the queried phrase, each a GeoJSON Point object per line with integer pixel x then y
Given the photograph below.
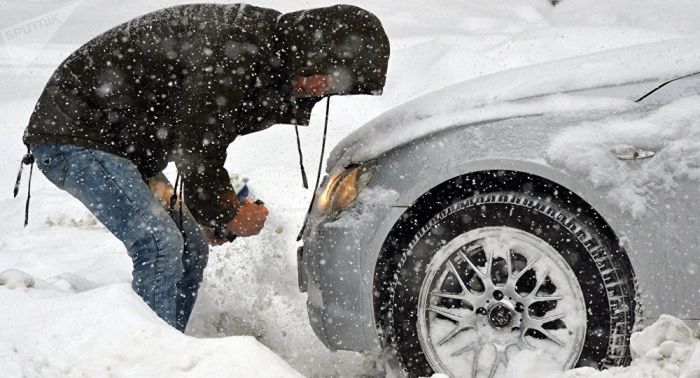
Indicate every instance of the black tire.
{"type": "Point", "coordinates": [581, 242]}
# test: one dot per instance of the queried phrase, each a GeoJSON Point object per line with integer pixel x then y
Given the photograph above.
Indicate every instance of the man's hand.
{"type": "Point", "coordinates": [249, 220]}
{"type": "Point", "coordinates": [211, 237]}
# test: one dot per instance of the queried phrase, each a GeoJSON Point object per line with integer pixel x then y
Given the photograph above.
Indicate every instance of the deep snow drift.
{"type": "Point", "coordinates": [667, 348]}
{"type": "Point", "coordinates": [81, 319]}
{"type": "Point", "coordinates": [107, 331]}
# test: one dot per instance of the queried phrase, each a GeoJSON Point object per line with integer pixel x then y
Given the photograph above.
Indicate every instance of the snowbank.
{"type": "Point", "coordinates": [668, 348]}
{"type": "Point", "coordinates": [110, 332]}
{"type": "Point", "coordinates": [13, 278]}
{"type": "Point", "coordinates": [674, 16]}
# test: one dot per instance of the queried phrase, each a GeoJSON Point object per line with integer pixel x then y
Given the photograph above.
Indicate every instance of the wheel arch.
{"type": "Point", "coordinates": [463, 186]}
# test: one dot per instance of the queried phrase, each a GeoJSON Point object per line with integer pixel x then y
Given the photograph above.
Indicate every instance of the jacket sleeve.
{"type": "Point", "coordinates": [208, 192]}
{"type": "Point", "coordinates": [212, 107]}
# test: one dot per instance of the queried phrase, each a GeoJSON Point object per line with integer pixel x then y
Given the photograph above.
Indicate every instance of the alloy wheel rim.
{"type": "Point", "coordinates": [494, 291]}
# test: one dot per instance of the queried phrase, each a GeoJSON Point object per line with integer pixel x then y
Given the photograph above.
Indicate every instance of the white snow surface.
{"type": "Point", "coordinates": [361, 211]}
{"type": "Point", "coordinates": [13, 278]}
{"type": "Point", "coordinates": [673, 132]}
{"type": "Point", "coordinates": [667, 348]}
{"type": "Point", "coordinates": [109, 332]}
{"type": "Point", "coordinates": [81, 317]}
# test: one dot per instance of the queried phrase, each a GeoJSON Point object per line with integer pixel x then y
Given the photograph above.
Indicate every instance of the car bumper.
{"type": "Point", "coordinates": [336, 268]}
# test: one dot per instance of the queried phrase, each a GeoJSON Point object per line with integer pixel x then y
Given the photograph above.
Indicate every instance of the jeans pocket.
{"type": "Point", "coordinates": [51, 162]}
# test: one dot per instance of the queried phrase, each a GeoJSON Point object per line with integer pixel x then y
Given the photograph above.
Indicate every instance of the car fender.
{"type": "Point", "coordinates": [413, 169]}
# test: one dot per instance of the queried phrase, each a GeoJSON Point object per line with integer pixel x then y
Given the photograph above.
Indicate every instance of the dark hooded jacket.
{"type": "Point", "coordinates": [181, 83]}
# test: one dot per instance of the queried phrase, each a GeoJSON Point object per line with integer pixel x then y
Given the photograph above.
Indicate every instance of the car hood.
{"type": "Point", "coordinates": [542, 88]}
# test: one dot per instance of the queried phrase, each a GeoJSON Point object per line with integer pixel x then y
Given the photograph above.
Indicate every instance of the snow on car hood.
{"type": "Point", "coordinates": [490, 97]}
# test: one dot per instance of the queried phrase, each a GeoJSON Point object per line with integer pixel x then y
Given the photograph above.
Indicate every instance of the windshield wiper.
{"type": "Point", "coordinates": [663, 85]}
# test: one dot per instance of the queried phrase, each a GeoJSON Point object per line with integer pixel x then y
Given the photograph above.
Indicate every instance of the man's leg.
{"type": "Point", "coordinates": [196, 253]}
{"type": "Point", "coordinates": [112, 188]}
{"type": "Point", "coordinates": [194, 260]}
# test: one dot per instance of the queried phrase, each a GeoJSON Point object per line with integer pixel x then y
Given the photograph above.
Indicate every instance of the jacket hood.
{"type": "Point", "coordinates": [344, 41]}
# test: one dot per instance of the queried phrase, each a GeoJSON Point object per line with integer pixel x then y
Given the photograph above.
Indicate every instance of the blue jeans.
{"type": "Point", "coordinates": [167, 272]}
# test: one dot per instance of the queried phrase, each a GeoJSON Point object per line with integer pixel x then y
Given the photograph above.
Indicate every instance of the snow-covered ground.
{"type": "Point", "coordinates": [74, 314]}
{"type": "Point", "coordinates": [67, 326]}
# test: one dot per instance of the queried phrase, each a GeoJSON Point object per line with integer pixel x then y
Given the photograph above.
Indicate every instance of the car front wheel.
{"type": "Point", "coordinates": [500, 273]}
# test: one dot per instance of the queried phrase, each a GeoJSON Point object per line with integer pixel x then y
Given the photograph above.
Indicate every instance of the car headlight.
{"type": "Point", "coordinates": [342, 189]}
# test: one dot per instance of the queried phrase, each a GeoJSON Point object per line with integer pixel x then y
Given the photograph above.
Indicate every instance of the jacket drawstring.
{"type": "Point", "coordinates": [28, 159]}
{"type": "Point", "coordinates": [304, 180]}
{"type": "Point", "coordinates": [173, 197]}
{"type": "Point", "coordinates": [182, 200]}
{"type": "Point", "coordinates": [320, 165]}
{"type": "Point", "coordinates": [177, 193]}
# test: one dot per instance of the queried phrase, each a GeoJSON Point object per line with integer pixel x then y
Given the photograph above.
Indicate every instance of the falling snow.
{"type": "Point", "coordinates": [67, 309]}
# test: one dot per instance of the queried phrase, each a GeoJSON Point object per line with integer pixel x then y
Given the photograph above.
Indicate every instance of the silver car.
{"type": "Point", "coordinates": [519, 211]}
